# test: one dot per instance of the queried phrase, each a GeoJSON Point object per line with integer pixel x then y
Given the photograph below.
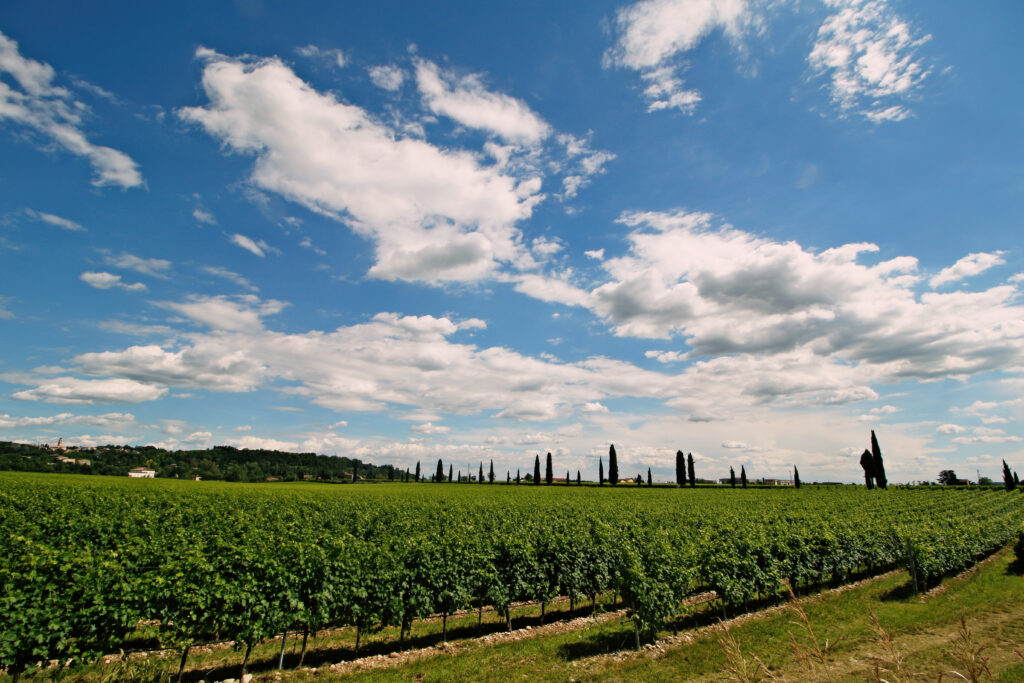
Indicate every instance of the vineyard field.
{"type": "Point", "coordinates": [86, 560]}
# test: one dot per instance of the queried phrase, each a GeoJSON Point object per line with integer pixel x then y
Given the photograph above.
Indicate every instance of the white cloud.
{"type": "Point", "coordinates": [51, 111]}
{"type": "Point", "coordinates": [332, 56]}
{"type": "Point", "coordinates": [259, 443]}
{"type": "Point", "coordinates": [729, 292]}
{"type": "Point", "coordinates": [51, 219]}
{"type": "Point", "coordinates": [88, 391]}
{"type": "Point", "coordinates": [248, 244]}
{"type": "Point", "coordinates": [120, 420]}
{"type": "Point", "coordinates": [217, 271]}
{"type": "Point", "coordinates": [596, 254]}
{"type": "Point", "coordinates": [869, 55]}
{"type": "Point", "coordinates": [968, 266]}
{"type": "Point", "coordinates": [387, 76]}
{"type": "Point", "coordinates": [429, 428]}
{"type": "Point", "coordinates": [468, 102]}
{"type": "Point", "coordinates": [235, 314]}
{"type": "Point", "coordinates": [986, 435]}
{"type": "Point", "coordinates": [102, 280]}
{"type": "Point", "coordinates": [204, 216]}
{"type": "Point", "coordinates": [154, 267]}
{"type": "Point", "coordinates": [433, 214]}
{"type": "Point", "coordinates": [653, 33]}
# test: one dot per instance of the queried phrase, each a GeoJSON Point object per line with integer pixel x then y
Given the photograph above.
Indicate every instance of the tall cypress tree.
{"type": "Point", "coordinates": [796, 477]}
{"type": "Point", "coordinates": [567, 479]}
{"type": "Point", "coordinates": [536, 469]}
{"type": "Point", "coordinates": [600, 472]}
{"type": "Point", "coordinates": [743, 476]}
{"type": "Point", "coordinates": [680, 469]}
{"type": "Point", "coordinates": [459, 475]}
{"type": "Point", "coordinates": [613, 465]}
{"type": "Point", "coordinates": [508, 477]}
{"type": "Point", "coordinates": [355, 470]}
{"type": "Point", "coordinates": [1008, 478]}
{"type": "Point", "coordinates": [689, 468]}
{"type": "Point", "coordinates": [517, 476]}
{"type": "Point", "coordinates": [732, 477]}
{"type": "Point", "coordinates": [876, 456]}
{"type": "Point", "coordinates": [650, 482]}
{"type": "Point", "coordinates": [549, 476]}
{"type": "Point", "coordinates": [868, 464]}
{"type": "Point", "coordinates": [450, 472]}
{"type": "Point", "coordinates": [480, 475]}
{"type": "Point", "coordinates": [417, 470]}
{"type": "Point", "coordinates": [406, 475]}
{"type": "Point", "coordinates": [439, 476]}
{"type": "Point", "coordinates": [490, 474]}
{"type": "Point", "coordinates": [579, 481]}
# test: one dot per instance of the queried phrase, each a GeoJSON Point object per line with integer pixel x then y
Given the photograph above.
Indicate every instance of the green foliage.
{"type": "Point", "coordinates": [84, 559]}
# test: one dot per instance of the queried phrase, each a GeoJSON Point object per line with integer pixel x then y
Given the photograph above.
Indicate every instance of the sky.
{"type": "Point", "coordinates": [403, 231]}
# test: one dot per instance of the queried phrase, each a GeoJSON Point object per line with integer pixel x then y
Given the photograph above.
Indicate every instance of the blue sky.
{"type": "Point", "coordinates": [753, 231]}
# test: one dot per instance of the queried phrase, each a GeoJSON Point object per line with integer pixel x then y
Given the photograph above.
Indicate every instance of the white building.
{"type": "Point", "coordinates": [141, 473]}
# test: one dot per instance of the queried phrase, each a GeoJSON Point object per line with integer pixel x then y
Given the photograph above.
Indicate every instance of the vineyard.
{"type": "Point", "coordinates": [86, 560]}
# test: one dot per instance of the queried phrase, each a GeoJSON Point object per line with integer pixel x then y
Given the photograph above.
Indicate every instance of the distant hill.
{"type": "Point", "coordinates": [217, 463]}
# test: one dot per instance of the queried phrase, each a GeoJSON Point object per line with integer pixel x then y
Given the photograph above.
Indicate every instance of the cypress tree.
{"type": "Point", "coordinates": [391, 472]}
{"type": "Point", "coordinates": [417, 471]}
{"type": "Point", "coordinates": [639, 479]}
{"type": "Point", "coordinates": [1008, 477]}
{"type": "Point", "coordinates": [406, 475]}
{"type": "Point", "coordinates": [876, 456]}
{"type": "Point", "coordinates": [743, 476]}
{"type": "Point", "coordinates": [567, 479]}
{"type": "Point", "coordinates": [490, 475]}
{"type": "Point", "coordinates": [480, 476]}
{"type": "Point", "coordinates": [579, 481]}
{"type": "Point", "coordinates": [517, 476]}
{"type": "Point", "coordinates": [650, 482]}
{"type": "Point", "coordinates": [536, 470]}
{"type": "Point", "coordinates": [868, 463]}
{"type": "Point", "coordinates": [355, 470]}
{"type": "Point", "coordinates": [732, 477]}
{"type": "Point", "coordinates": [689, 467]}
{"type": "Point", "coordinates": [459, 480]}
{"type": "Point", "coordinates": [796, 477]}
{"type": "Point", "coordinates": [680, 469]}
{"type": "Point", "coordinates": [1016, 481]}
{"type": "Point", "coordinates": [613, 465]}
{"type": "Point", "coordinates": [439, 475]}
{"type": "Point", "coordinates": [508, 477]}
{"type": "Point", "coordinates": [548, 474]}
{"type": "Point", "coordinates": [450, 472]}
{"type": "Point", "coordinates": [600, 472]}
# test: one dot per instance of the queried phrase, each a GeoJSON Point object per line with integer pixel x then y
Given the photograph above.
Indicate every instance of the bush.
{"type": "Point", "coordinates": [1018, 549]}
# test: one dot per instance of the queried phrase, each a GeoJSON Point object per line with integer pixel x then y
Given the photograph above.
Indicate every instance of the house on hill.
{"type": "Point", "coordinates": [141, 473]}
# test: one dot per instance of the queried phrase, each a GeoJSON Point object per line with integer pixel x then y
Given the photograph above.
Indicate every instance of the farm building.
{"type": "Point", "coordinates": [141, 473]}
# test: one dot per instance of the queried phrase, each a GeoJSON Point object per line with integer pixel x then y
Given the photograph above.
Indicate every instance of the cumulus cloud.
{"type": "Point", "coordinates": [468, 102]}
{"type": "Point", "coordinates": [73, 390]}
{"type": "Point", "coordinates": [51, 219]}
{"type": "Point", "coordinates": [433, 214]}
{"type": "Point", "coordinates": [949, 428]}
{"type": "Point", "coordinates": [102, 280]}
{"type": "Point", "coordinates": [387, 76]}
{"type": "Point", "coordinates": [52, 112]}
{"type": "Point", "coordinates": [968, 266]}
{"type": "Point", "coordinates": [653, 33]}
{"type": "Point", "coordinates": [869, 56]}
